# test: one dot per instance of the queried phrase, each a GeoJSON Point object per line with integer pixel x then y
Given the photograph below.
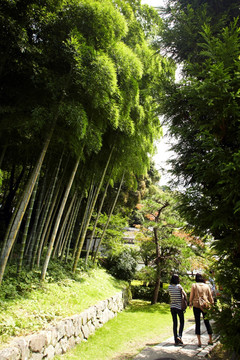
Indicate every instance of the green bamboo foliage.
{"type": "Point", "coordinates": [100, 89]}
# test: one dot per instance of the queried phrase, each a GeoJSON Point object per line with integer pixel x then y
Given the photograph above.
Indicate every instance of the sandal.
{"type": "Point", "coordinates": [210, 343]}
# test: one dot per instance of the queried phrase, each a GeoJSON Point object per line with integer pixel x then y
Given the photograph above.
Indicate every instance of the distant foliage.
{"type": "Point", "coordinates": [145, 293]}
{"type": "Point", "coordinates": [122, 265]}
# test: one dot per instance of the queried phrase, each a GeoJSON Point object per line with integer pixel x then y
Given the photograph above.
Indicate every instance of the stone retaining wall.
{"type": "Point", "coordinates": [66, 333]}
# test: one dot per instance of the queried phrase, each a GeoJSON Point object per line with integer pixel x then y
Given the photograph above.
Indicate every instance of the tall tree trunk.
{"type": "Point", "coordinates": [10, 225]}
{"type": "Point", "coordinates": [2, 155]}
{"type": "Point", "coordinates": [158, 272]}
{"type": "Point", "coordinates": [53, 217]}
{"type": "Point", "coordinates": [48, 199]}
{"type": "Point", "coordinates": [158, 255]}
{"type": "Point", "coordinates": [14, 186]}
{"type": "Point", "coordinates": [83, 219]}
{"type": "Point", "coordinates": [49, 221]}
{"type": "Point", "coordinates": [96, 221]}
{"type": "Point", "coordinates": [91, 211]}
{"type": "Point", "coordinates": [53, 237]}
{"type": "Point", "coordinates": [32, 252]}
{"type": "Point", "coordinates": [49, 211]}
{"type": "Point", "coordinates": [94, 247]}
{"type": "Point", "coordinates": [108, 220]}
{"type": "Point", "coordinates": [64, 225]}
{"type": "Point", "coordinates": [71, 222]}
{"type": "Point", "coordinates": [21, 211]}
{"type": "Point", "coordinates": [72, 229]}
{"type": "Point", "coordinates": [26, 228]}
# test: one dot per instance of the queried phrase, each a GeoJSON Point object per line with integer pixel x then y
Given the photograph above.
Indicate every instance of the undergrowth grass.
{"type": "Point", "coordinates": [27, 304]}
{"type": "Point", "coordinates": [140, 325]}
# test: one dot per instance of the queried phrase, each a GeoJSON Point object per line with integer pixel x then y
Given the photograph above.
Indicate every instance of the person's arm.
{"type": "Point", "coordinates": [184, 293]}
{"type": "Point", "coordinates": [210, 297]}
{"type": "Point", "coordinates": [191, 297]}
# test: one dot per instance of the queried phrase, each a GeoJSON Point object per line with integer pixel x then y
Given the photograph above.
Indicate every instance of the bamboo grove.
{"type": "Point", "coordinates": [80, 82]}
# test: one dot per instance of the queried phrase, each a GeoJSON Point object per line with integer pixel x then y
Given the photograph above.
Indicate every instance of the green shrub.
{"type": "Point", "coordinates": [228, 313]}
{"type": "Point", "coordinates": [122, 265]}
{"type": "Point", "coordinates": [146, 293]}
{"type": "Point", "coordinates": [14, 287]}
{"type": "Point", "coordinates": [147, 275]}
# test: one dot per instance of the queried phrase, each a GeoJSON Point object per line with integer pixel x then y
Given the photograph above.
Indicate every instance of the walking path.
{"type": "Point", "coordinates": [168, 351]}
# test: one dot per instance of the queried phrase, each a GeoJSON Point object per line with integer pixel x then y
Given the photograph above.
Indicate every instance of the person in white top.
{"type": "Point", "coordinates": [199, 291]}
{"type": "Point", "coordinates": [175, 291]}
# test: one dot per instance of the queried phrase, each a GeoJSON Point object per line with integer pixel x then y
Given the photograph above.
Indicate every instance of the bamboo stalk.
{"type": "Point", "coordinates": [73, 227]}
{"type": "Point", "coordinates": [67, 233]}
{"type": "Point", "coordinates": [108, 220]}
{"type": "Point", "coordinates": [91, 211]}
{"type": "Point", "coordinates": [64, 225]}
{"type": "Point", "coordinates": [32, 251]}
{"type": "Point", "coordinates": [56, 226]}
{"type": "Point", "coordinates": [50, 210]}
{"type": "Point", "coordinates": [97, 218]}
{"type": "Point", "coordinates": [21, 211]}
{"type": "Point", "coordinates": [26, 228]}
{"type": "Point", "coordinates": [83, 220]}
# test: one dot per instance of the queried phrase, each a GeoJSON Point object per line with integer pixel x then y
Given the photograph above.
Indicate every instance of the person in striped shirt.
{"type": "Point", "coordinates": [175, 291]}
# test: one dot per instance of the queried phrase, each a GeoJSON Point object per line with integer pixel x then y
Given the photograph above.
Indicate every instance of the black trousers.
{"type": "Point", "coordinates": [197, 315]}
{"type": "Point", "coordinates": [175, 314]}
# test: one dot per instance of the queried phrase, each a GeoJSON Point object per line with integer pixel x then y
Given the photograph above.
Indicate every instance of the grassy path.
{"type": "Point", "coordinates": [140, 325]}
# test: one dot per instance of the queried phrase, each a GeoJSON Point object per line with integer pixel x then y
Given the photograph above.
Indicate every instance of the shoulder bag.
{"type": "Point", "coordinates": [184, 300]}
{"type": "Point", "coordinates": [203, 303]}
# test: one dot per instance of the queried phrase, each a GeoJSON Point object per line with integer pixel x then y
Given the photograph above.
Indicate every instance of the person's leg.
{"type": "Point", "coordinates": [181, 320]}
{"type": "Point", "coordinates": [197, 314]}
{"type": "Point", "coordinates": [199, 340]}
{"type": "Point", "coordinates": [208, 327]}
{"type": "Point", "coordinates": [210, 341]}
{"type": "Point", "coordinates": [175, 324]}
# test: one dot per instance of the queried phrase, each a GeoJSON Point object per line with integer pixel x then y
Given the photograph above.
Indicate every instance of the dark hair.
{"type": "Point", "coordinates": [175, 279]}
{"type": "Point", "coordinates": [199, 278]}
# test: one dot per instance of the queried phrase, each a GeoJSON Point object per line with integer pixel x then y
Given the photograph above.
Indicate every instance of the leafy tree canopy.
{"type": "Point", "coordinates": [203, 115]}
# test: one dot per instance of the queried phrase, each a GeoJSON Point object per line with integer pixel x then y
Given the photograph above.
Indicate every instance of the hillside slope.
{"type": "Point", "coordinates": [29, 305]}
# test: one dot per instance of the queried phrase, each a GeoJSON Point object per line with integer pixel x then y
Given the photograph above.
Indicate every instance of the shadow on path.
{"type": "Point", "coordinates": [189, 350]}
